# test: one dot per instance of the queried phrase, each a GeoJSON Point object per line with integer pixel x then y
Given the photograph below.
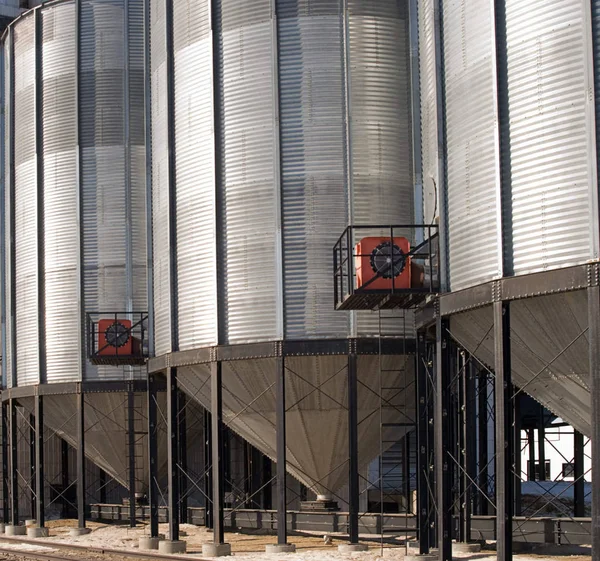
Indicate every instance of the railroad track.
{"type": "Point", "coordinates": [80, 552]}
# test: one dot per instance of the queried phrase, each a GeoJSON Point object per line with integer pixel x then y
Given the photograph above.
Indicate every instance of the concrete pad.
{"type": "Point", "coordinates": [169, 546]}
{"type": "Point", "coordinates": [37, 532]}
{"type": "Point", "coordinates": [148, 543]}
{"type": "Point", "coordinates": [30, 522]}
{"type": "Point", "coordinates": [15, 530]}
{"type": "Point", "coordinates": [75, 532]}
{"type": "Point", "coordinates": [461, 547]}
{"type": "Point", "coordinates": [428, 557]}
{"type": "Point", "coordinates": [216, 549]}
{"type": "Point", "coordinates": [352, 547]}
{"type": "Point", "coordinates": [280, 548]}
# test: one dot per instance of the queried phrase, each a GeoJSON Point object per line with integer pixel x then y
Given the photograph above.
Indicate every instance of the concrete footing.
{"type": "Point", "coordinates": [148, 543]}
{"type": "Point", "coordinates": [30, 522]}
{"type": "Point", "coordinates": [462, 547]}
{"type": "Point", "coordinates": [75, 532]}
{"type": "Point", "coordinates": [352, 547]}
{"type": "Point", "coordinates": [170, 546]}
{"type": "Point", "coordinates": [280, 548]}
{"type": "Point", "coordinates": [37, 532]}
{"type": "Point", "coordinates": [427, 557]}
{"type": "Point", "coordinates": [15, 530]}
{"type": "Point", "coordinates": [216, 549]}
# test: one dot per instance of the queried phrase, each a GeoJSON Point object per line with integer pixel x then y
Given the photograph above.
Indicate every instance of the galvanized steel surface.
{"type": "Point", "coordinates": [107, 65]}
{"type": "Point", "coordinates": [269, 137]}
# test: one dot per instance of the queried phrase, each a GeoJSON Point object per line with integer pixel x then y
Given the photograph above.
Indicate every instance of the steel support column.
{"type": "Point", "coordinates": [517, 454]}
{"type": "Point", "coordinates": [131, 454]}
{"type": "Point", "coordinates": [353, 489]}
{"type": "Point", "coordinates": [14, 463]}
{"type": "Point", "coordinates": [281, 454]}
{"type": "Point", "coordinates": [504, 432]}
{"type": "Point", "coordinates": [594, 350]}
{"type": "Point", "coordinates": [542, 445]}
{"type": "Point", "coordinates": [531, 445]}
{"type": "Point", "coordinates": [442, 440]}
{"type": "Point", "coordinates": [5, 458]}
{"type": "Point", "coordinates": [578, 473]}
{"type": "Point", "coordinates": [152, 395]}
{"type": "Point", "coordinates": [423, 415]}
{"type": "Point", "coordinates": [64, 476]}
{"type": "Point", "coordinates": [482, 441]}
{"type": "Point", "coordinates": [32, 465]}
{"type": "Point", "coordinates": [39, 461]}
{"type": "Point", "coordinates": [81, 480]}
{"type": "Point", "coordinates": [172, 450]}
{"type": "Point", "coordinates": [218, 474]}
{"type": "Point", "coordinates": [208, 469]}
{"type": "Point", "coordinates": [103, 483]}
{"type": "Point", "coordinates": [182, 457]}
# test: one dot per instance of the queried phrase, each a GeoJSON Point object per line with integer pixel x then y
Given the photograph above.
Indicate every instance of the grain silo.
{"type": "Point", "coordinates": [275, 124]}
{"type": "Point", "coordinates": [74, 230]}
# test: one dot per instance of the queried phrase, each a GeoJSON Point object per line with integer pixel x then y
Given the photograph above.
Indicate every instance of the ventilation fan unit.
{"type": "Point", "coordinates": [115, 338]}
{"type": "Point", "coordinates": [383, 263]}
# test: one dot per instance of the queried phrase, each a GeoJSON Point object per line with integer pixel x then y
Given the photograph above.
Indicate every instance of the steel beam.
{"type": "Point", "coordinates": [131, 453]}
{"type": "Point", "coordinates": [504, 432]}
{"type": "Point", "coordinates": [594, 350]}
{"type": "Point", "coordinates": [218, 474]}
{"type": "Point", "coordinates": [443, 473]}
{"type": "Point", "coordinates": [423, 444]}
{"type": "Point", "coordinates": [281, 454]}
{"type": "Point", "coordinates": [353, 488]}
{"type": "Point", "coordinates": [182, 457]}
{"type": "Point", "coordinates": [81, 480]}
{"type": "Point", "coordinates": [578, 473]}
{"type": "Point", "coordinates": [172, 450]}
{"type": "Point", "coordinates": [153, 454]}
{"type": "Point", "coordinates": [39, 461]}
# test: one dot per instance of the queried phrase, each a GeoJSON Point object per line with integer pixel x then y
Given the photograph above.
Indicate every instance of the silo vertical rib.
{"type": "Point", "coordinates": [40, 237]}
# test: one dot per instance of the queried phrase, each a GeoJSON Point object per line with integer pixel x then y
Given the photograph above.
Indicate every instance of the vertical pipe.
{"type": "Point", "coordinates": [504, 432]}
{"type": "Point", "coordinates": [442, 440]}
{"type": "Point", "coordinates": [422, 446]}
{"type": "Point", "coordinates": [131, 453]}
{"type": "Point", "coordinates": [39, 459]}
{"type": "Point", "coordinates": [281, 454]}
{"type": "Point", "coordinates": [14, 464]}
{"type": "Point", "coordinates": [64, 476]}
{"type": "Point", "coordinates": [482, 440]}
{"type": "Point", "coordinates": [208, 468]}
{"type": "Point", "coordinates": [353, 490]}
{"type": "Point", "coordinates": [5, 458]}
{"type": "Point", "coordinates": [81, 483]}
{"type": "Point", "coordinates": [153, 454]}
{"type": "Point", "coordinates": [218, 476]}
{"type": "Point", "coordinates": [578, 474]}
{"type": "Point", "coordinates": [173, 448]}
{"type": "Point", "coordinates": [594, 358]}
{"type": "Point", "coordinates": [182, 457]}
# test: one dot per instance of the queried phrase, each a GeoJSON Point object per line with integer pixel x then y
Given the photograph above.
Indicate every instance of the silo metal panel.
{"type": "Point", "coordinates": [550, 80]}
{"type": "Point", "coordinates": [314, 192]}
{"type": "Point", "coordinates": [473, 182]}
{"type": "Point", "coordinates": [160, 182]}
{"type": "Point", "coordinates": [61, 231]}
{"type": "Point", "coordinates": [26, 231]}
{"type": "Point", "coordinates": [381, 121]}
{"type": "Point", "coordinates": [195, 175]}
{"type": "Point", "coordinates": [249, 255]}
{"type": "Point", "coordinates": [429, 110]}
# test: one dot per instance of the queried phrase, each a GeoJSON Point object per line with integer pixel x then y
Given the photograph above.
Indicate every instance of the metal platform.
{"type": "Point", "coordinates": [383, 300]}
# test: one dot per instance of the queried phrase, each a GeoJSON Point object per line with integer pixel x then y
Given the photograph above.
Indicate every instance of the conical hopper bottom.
{"type": "Point", "coordinates": [316, 398]}
{"type": "Point", "coordinates": [550, 350]}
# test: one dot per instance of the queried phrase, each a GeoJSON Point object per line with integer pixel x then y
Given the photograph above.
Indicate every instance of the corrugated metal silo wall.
{"type": "Point", "coordinates": [61, 243]}
{"type": "Point", "coordinates": [25, 197]}
{"type": "Point", "coordinates": [267, 175]}
{"type": "Point", "coordinates": [7, 299]}
{"type": "Point", "coordinates": [549, 199]}
{"type": "Point", "coordinates": [473, 193]}
{"type": "Point", "coordinates": [553, 179]}
{"type": "Point", "coordinates": [112, 174]}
